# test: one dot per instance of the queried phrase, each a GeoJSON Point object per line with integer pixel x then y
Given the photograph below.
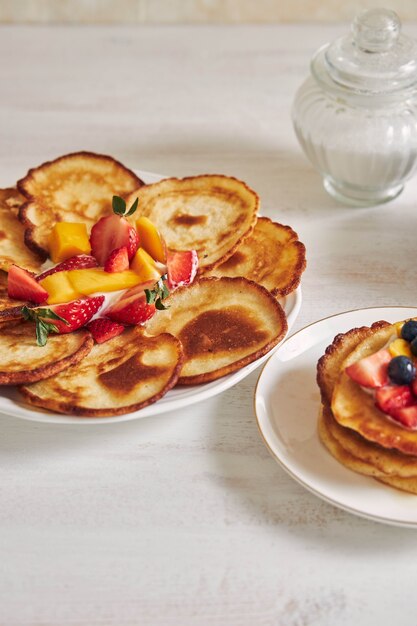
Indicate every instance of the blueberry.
{"type": "Point", "coordinates": [409, 330]}
{"type": "Point", "coordinates": [401, 370]}
{"type": "Point", "coordinates": [413, 346]}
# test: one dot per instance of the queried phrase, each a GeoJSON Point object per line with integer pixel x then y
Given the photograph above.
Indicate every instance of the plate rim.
{"type": "Point", "coordinates": [352, 510]}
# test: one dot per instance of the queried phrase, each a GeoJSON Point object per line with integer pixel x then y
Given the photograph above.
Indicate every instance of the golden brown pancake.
{"type": "Point", "coordinates": [119, 376]}
{"type": "Point", "coordinates": [22, 361]}
{"type": "Point", "coordinates": [76, 187]}
{"type": "Point", "coordinates": [12, 247]}
{"type": "Point", "coordinates": [211, 214]}
{"type": "Point", "coordinates": [222, 323]}
{"type": "Point", "coordinates": [271, 256]}
{"type": "Point", "coordinates": [354, 408]}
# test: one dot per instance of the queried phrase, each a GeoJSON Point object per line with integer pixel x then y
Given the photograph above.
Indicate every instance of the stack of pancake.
{"type": "Point", "coordinates": [229, 317]}
{"type": "Point", "coordinates": [354, 431]}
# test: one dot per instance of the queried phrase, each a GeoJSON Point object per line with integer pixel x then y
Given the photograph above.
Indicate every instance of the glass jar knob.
{"type": "Point", "coordinates": [376, 30]}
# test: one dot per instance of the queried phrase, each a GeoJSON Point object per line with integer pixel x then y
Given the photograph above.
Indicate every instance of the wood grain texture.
{"type": "Point", "coordinates": [191, 11]}
{"type": "Point", "coordinates": [185, 518]}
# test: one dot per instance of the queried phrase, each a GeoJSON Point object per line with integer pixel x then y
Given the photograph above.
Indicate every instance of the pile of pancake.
{"type": "Point", "coordinates": [228, 317]}
{"type": "Point", "coordinates": [355, 432]}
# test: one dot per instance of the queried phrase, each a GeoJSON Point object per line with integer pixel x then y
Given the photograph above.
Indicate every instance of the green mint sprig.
{"type": "Point", "coordinates": [120, 207]}
{"type": "Point", "coordinates": [156, 295]}
{"type": "Point", "coordinates": [43, 328]}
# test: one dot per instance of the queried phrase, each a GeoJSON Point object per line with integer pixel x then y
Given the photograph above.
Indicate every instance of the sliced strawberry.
{"type": "Point", "coordinates": [372, 370]}
{"type": "Point", "coordinates": [133, 243]}
{"type": "Point", "coordinates": [76, 313]}
{"type": "Point", "coordinates": [414, 386]}
{"type": "Point", "coordinates": [21, 285]}
{"type": "Point", "coordinates": [103, 329]}
{"type": "Point", "coordinates": [109, 233]}
{"type": "Point", "coordinates": [392, 397]}
{"type": "Point", "coordinates": [118, 261]}
{"type": "Point", "coordinates": [407, 416]}
{"type": "Point", "coordinates": [131, 309]}
{"type": "Point", "coordinates": [78, 262]}
{"type": "Point", "coordinates": [182, 267]}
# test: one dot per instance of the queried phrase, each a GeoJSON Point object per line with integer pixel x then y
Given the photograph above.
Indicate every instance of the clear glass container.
{"type": "Point", "coordinates": [356, 115]}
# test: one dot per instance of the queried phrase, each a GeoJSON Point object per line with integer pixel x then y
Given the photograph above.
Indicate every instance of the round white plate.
{"type": "Point", "coordinates": [11, 401]}
{"type": "Point", "coordinates": [287, 402]}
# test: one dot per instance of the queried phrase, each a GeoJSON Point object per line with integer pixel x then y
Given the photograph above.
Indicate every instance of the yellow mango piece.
{"type": "Point", "coordinates": [150, 239]}
{"type": "Point", "coordinates": [398, 326]}
{"type": "Point", "coordinates": [144, 266]}
{"type": "Point", "coordinates": [59, 288]}
{"type": "Point", "coordinates": [400, 347]}
{"type": "Point", "coordinates": [96, 280]}
{"type": "Point", "coordinates": [68, 239]}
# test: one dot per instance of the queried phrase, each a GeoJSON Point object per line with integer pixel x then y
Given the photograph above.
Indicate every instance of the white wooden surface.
{"type": "Point", "coordinates": [185, 518]}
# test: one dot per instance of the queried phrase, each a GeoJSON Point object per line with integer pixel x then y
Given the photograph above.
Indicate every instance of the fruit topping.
{"type": "Point", "coordinates": [409, 330]}
{"type": "Point", "coordinates": [413, 347]}
{"type": "Point", "coordinates": [182, 267]}
{"type": "Point", "coordinates": [59, 288]}
{"type": "Point", "coordinates": [103, 329]}
{"type": "Point", "coordinates": [107, 234]}
{"type": "Point", "coordinates": [21, 285]}
{"type": "Point", "coordinates": [118, 261]}
{"type": "Point", "coordinates": [392, 397]}
{"type": "Point", "coordinates": [407, 416]}
{"type": "Point", "coordinates": [145, 266]}
{"type": "Point", "coordinates": [131, 309]}
{"type": "Point", "coordinates": [401, 370]}
{"type": "Point", "coordinates": [399, 347]}
{"type": "Point", "coordinates": [371, 371]}
{"type": "Point", "coordinates": [80, 261]}
{"type": "Point", "coordinates": [151, 239]}
{"type": "Point", "coordinates": [65, 317]}
{"type": "Point", "coordinates": [97, 280]}
{"type": "Point", "coordinates": [68, 239]}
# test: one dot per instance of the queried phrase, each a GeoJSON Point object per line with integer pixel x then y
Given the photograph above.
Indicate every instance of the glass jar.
{"type": "Point", "coordinates": [356, 115]}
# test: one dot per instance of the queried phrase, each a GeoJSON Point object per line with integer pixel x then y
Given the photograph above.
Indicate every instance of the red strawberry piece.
{"type": "Point", "coordinates": [103, 329]}
{"type": "Point", "coordinates": [372, 370]}
{"type": "Point", "coordinates": [109, 233]}
{"type": "Point", "coordinates": [414, 386]}
{"type": "Point", "coordinates": [133, 243]}
{"type": "Point", "coordinates": [392, 397]}
{"type": "Point", "coordinates": [182, 267]}
{"type": "Point", "coordinates": [78, 262]}
{"type": "Point", "coordinates": [131, 309]}
{"type": "Point", "coordinates": [118, 261]}
{"type": "Point", "coordinates": [77, 313]}
{"type": "Point", "coordinates": [21, 285]}
{"type": "Point", "coordinates": [407, 416]}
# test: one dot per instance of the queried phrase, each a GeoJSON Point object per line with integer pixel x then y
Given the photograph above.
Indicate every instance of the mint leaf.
{"type": "Point", "coordinates": [133, 208]}
{"type": "Point", "coordinates": [119, 205]}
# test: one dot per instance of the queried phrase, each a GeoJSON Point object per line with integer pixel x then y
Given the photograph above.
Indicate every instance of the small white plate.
{"type": "Point", "coordinates": [287, 403]}
{"type": "Point", "coordinates": [11, 402]}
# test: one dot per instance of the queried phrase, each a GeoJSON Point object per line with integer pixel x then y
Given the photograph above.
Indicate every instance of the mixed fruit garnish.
{"type": "Point", "coordinates": [115, 277]}
{"type": "Point", "coordinates": [391, 375]}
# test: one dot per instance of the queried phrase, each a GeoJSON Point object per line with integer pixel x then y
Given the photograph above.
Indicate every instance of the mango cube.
{"type": "Point", "coordinates": [144, 266]}
{"type": "Point", "coordinates": [400, 347]}
{"type": "Point", "coordinates": [97, 280]}
{"type": "Point", "coordinates": [59, 288]}
{"type": "Point", "coordinates": [68, 239]}
{"type": "Point", "coordinates": [150, 239]}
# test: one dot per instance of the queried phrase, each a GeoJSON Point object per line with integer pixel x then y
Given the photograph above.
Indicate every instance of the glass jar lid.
{"type": "Point", "coordinates": [375, 57]}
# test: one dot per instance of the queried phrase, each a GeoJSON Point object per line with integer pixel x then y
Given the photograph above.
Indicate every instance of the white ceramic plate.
{"type": "Point", "coordinates": [287, 403]}
{"type": "Point", "coordinates": [11, 402]}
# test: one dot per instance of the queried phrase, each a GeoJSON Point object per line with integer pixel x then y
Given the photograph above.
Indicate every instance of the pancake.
{"type": "Point", "coordinates": [222, 323]}
{"type": "Point", "coordinates": [122, 375]}
{"type": "Point", "coordinates": [76, 187]}
{"type": "Point", "coordinates": [22, 361]}
{"type": "Point", "coordinates": [12, 248]}
{"type": "Point", "coordinates": [211, 214]}
{"type": "Point", "coordinates": [354, 408]}
{"type": "Point", "coordinates": [271, 256]}
{"type": "Point", "coordinates": [9, 309]}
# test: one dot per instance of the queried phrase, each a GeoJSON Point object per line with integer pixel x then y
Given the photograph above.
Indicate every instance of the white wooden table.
{"type": "Point", "coordinates": [185, 518]}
